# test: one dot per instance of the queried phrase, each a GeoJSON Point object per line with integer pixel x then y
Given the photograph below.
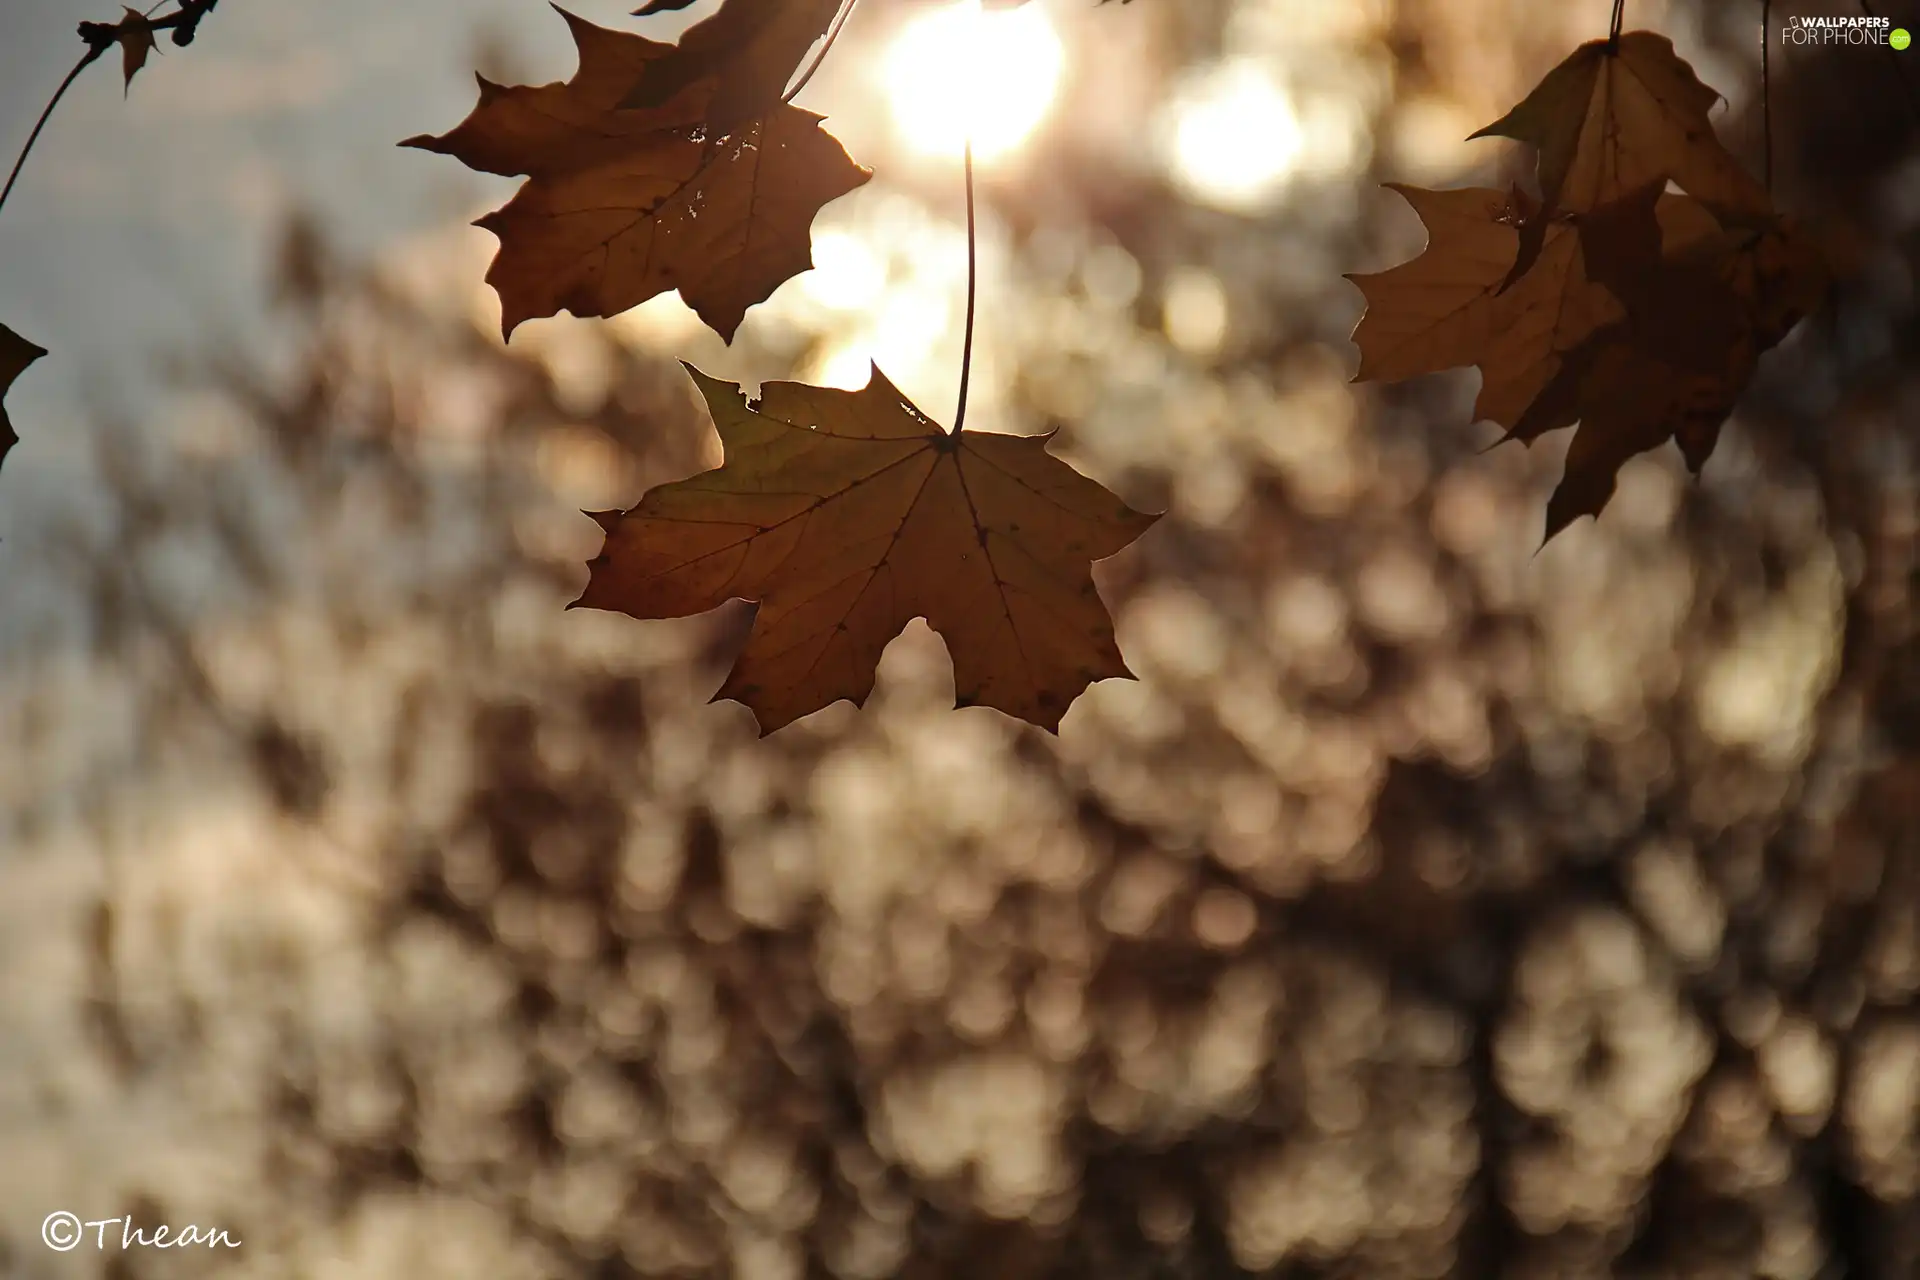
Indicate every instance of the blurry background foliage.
{"type": "Point", "coordinates": [1428, 907]}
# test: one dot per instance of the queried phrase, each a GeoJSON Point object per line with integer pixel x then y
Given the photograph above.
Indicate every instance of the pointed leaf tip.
{"type": "Point", "coordinates": [16, 353]}
{"type": "Point", "coordinates": [136, 42]}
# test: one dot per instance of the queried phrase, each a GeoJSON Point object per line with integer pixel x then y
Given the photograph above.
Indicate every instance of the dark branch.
{"type": "Point", "coordinates": [184, 22]}
{"type": "Point", "coordinates": [100, 37]}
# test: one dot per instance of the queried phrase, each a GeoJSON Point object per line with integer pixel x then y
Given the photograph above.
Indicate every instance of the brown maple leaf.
{"type": "Point", "coordinates": [16, 353]}
{"type": "Point", "coordinates": [1776, 269]}
{"type": "Point", "coordinates": [1642, 320]}
{"type": "Point", "coordinates": [1628, 398]}
{"type": "Point", "coordinates": [1445, 308]}
{"type": "Point", "coordinates": [621, 205]}
{"type": "Point", "coordinates": [1612, 117]}
{"type": "Point", "coordinates": [749, 49]}
{"type": "Point", "coordinates": [1698, 317]}
{"type": "Point", "coordinates": [847, 514]}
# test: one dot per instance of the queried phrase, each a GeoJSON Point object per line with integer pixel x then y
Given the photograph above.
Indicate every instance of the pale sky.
{"type": "Point", "coordinates": [142, 223]}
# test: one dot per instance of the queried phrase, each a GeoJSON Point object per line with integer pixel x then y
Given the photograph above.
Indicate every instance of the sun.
{"type": "Point", "coordinates": [957, 70]}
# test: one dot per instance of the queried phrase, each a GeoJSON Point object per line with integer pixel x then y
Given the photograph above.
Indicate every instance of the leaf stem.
{"type": "Point", "coordinates": [833, 33]}
{"type": "Point", "coordinates": [1766, 95]}
{"type": "Point", "coordinates": [973, 289]}
{"type": "Point", "coordinates": [1619, 17]}
{"type": "Point", "coordinates": [86, 59]}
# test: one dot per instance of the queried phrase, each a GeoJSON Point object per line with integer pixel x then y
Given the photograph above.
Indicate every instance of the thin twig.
{"type": "Point", "coordinates": [973, 286]}
{"type": "Point", "coordinates": [833, 33]}
{"type": "Point", "coordinates": [1613, 28]}
{"type": "Point", "coordinates": [1766, 96]}
{"type": "Point", "coordinates": [183, 21]}
{"type": "Point", "coordinates": [86, 59]}
{"type": "Point", "coordinates": [100, 37]}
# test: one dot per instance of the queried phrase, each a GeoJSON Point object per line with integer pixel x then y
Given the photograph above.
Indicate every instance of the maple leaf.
{"type": "Point", "coordinates": [1628, 398]}
{"type": "Point", "coordinates": [1641, 320]}
{"type": "Point", "coordinates": [622, 205]}
{"type": "Point", "coordinates": [1612, 117]}
{"type": "Point", "coordinates": [1699, 316]}
{"type": "Point", "coordinates": [748, 49]}
{"type": "Point", "coordinates": [1775, 268]}
{"type": "Point", "coordinates": [1445, 308]}
{"type": "Point", "coordinates": [847, 514]}
{"type": "Point", "coordinates": [16, 353]}
{"type": "Point", "coordinates": [135, 35]}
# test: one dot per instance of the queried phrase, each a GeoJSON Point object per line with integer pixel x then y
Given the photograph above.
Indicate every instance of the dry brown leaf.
{"type": "Point", "coordinates": [622, 205]}
{"type": "Point", "coordinates": [1666, 275]}
{"type": "Point", "coordinates": [1777, 269]}
{"type": "Point", "coordinates": [1629, 398]}
{"type": "Point", "coordinates": [1641, 320]}
{"type": "Point", "coordinates": [847, 514]}
{"type": "Point", "coordinates": [16, 353]}
{"type": "Point", "coordinates": [1445, 309]}
{"type": "Point", "coordinates": [1698, 319]}
{"type": "Point", "coordinates": [749, 49]}
{"type": "Point", "coordinates": [1612, 118]}
{"type": "Point", "coordinates": [136, 42]}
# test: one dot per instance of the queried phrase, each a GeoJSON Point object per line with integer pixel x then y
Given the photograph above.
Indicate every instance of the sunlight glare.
{"type": "Point", "coordinates": [1236, 137]}
{"type": "Point", "coordinates": [846, 275]}
{"type": "Point", "coordinates": [958, 68]}
{"type": "Point", "coordinates": [845, 365]}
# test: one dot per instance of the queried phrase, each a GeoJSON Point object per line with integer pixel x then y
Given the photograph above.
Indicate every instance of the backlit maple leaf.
{"type": "Point", "coordinates": [1613, 117]}
{"type": "Point", "coordinates": [847, 514]}
{"type": "Point", "coordinates": [749, 49]}
{"type": "Point", "coordinates": [1444, 309]}
{"type": "Point", "coordinates": [1641, 320]}
{"type": "Point", "coordinates": [1698, 318]}
{"type": "Point", "coordinates": [621, 205]}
